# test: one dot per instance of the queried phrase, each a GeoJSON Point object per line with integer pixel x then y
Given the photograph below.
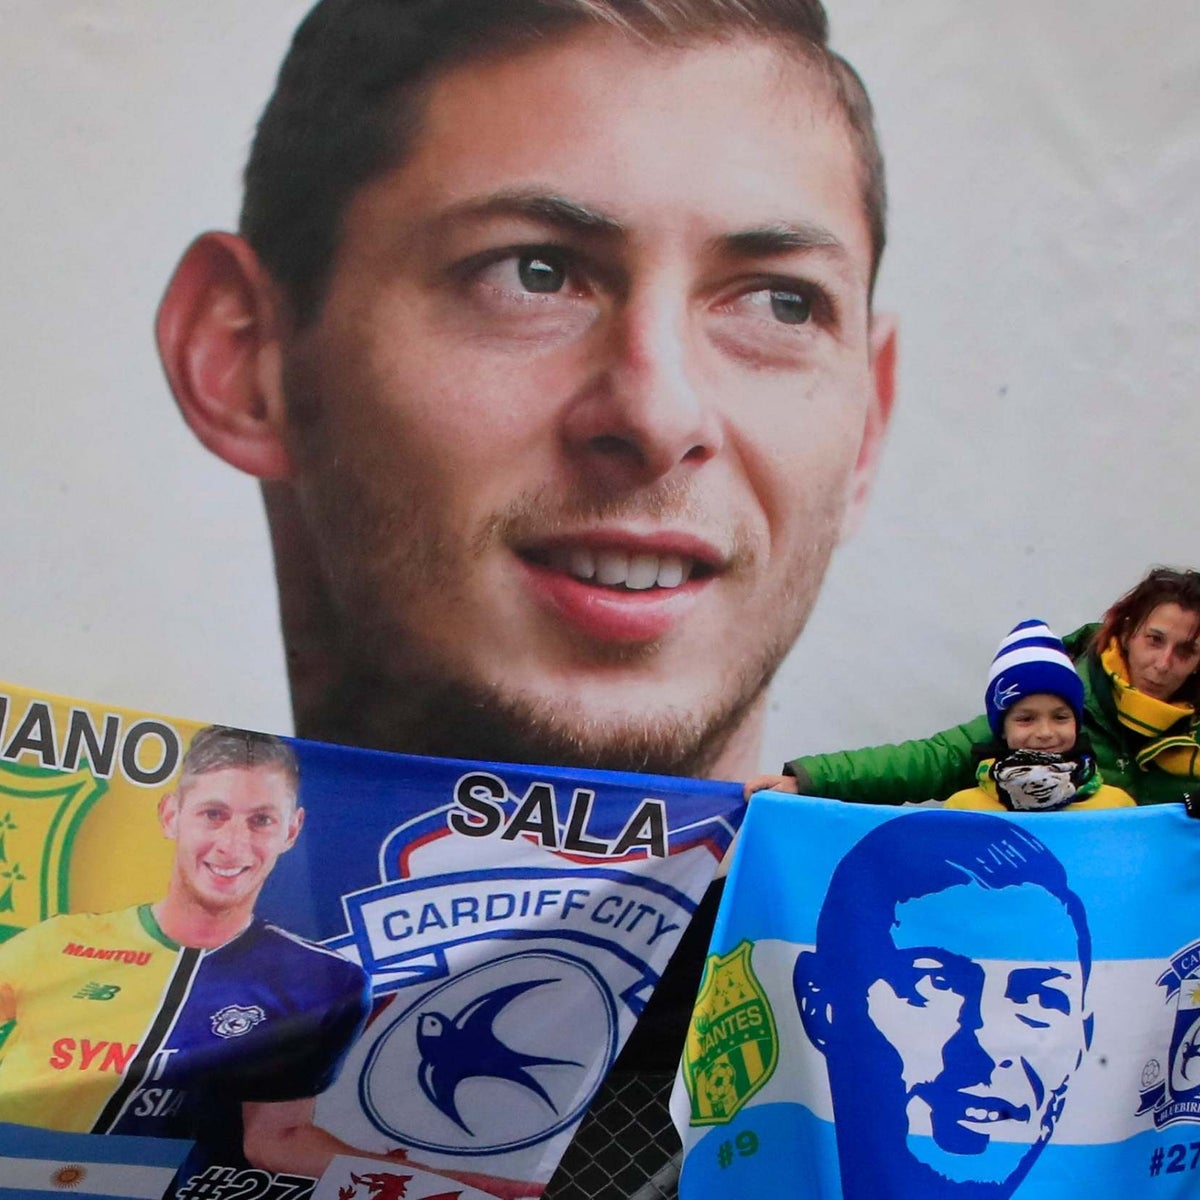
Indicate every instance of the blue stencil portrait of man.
{"type": "Point", "coordinates": [947, 992]}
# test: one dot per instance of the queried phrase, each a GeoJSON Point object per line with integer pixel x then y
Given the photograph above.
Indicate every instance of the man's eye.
{"type": "Point", "coordinates": [539, 273]}
{"type": "Point", "coordinates": [923, 979]}
{"type": "Point", "coordinates": [790, 308]}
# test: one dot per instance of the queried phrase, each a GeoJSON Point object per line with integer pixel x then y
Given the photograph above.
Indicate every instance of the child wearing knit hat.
{"type": "Point", "coordinates": [1038, 762]}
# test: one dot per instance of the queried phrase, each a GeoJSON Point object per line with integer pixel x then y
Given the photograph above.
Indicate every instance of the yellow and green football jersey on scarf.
{"type": "Point", "coordinates": [111, 1027]}
{"type": "Point", "coordinates": [76, 996]}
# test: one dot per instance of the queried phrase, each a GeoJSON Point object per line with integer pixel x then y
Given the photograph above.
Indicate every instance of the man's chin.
{"type": "Point", "coordinates": [456, 719]}
{"type": "Point", "coordinates": [994, 1171]}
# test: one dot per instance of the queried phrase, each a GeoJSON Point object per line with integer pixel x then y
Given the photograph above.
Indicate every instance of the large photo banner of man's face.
{"type": "Point", "coordinates": [560, 355]}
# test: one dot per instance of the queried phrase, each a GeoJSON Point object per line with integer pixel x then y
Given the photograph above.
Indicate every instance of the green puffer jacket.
{"type": "Point", "coordinates": [937, 767]}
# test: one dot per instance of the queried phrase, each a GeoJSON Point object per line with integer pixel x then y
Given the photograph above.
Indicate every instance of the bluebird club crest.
{"type": "Point", "coordinates": [494, 1052]}
{"type": "Point", "coordinates": [1172, 1091]}
{"type": "Point", "coordinates": [732, 1045]}
{"type": "Point", "coordinates": [234, 1020]}
{"type": "Point", "coordinates": [502, 992]}
{"type": "Point", "coordinates": [455, 1050]}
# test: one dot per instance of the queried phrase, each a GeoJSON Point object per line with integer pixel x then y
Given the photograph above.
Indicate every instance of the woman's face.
{"type": "Point", "coordinates": [1163, 650]}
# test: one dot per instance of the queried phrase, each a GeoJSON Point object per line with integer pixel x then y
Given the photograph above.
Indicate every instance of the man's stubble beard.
{"type": "Point", "coordinates": [417, 705]}
{"type": "Point", "coordinates": [427, 709]}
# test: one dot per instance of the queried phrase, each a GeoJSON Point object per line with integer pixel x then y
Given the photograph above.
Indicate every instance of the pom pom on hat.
{"type": "Point", "coordinates": [1031, 660]}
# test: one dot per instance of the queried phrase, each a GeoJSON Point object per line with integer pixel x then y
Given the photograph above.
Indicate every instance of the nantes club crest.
{"type": "Point", "coordinates": [732, 1044]}
{"type": "Point", "coordinates": [40, 814]}
{"type": "Point", "coordinates": [1172, 1092]}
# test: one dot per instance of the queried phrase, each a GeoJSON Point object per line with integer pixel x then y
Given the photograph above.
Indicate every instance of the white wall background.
{"type": "Point", "coordinates": [1043, 260]}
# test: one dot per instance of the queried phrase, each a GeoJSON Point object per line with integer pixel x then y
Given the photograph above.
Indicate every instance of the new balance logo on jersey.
{"type": "Point", "coordinates": [97, 991]}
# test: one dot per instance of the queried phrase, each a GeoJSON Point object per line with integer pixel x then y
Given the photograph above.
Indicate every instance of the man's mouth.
{"type": "Point", "coordinates": [226, 872]}
{"type": "Point", "coordinates": [985, 1111]}
{"type": "Point", "coordinates": [621, 588]}
{"type": "Point", "coordinates": [620, 569]}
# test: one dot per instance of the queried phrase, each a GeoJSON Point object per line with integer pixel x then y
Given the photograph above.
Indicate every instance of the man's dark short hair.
{"type": "Point", "coordinates": [347, 104]}
{"type": "Point", "coordinates": [920, 854]}
{"type": "Point", "coordinates": [219, 747]}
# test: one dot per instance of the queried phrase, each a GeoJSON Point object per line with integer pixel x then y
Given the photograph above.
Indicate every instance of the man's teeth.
{"type": "Point", "coordinates": [616, 568]}
{"type": "Point", "coordinates": [226, 872]}
{"type": "Point", "coordinates": [983, 1114]}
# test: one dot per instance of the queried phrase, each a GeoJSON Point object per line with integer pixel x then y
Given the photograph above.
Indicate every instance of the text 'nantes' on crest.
{"type": "Point", "coordinates": [486, 809]}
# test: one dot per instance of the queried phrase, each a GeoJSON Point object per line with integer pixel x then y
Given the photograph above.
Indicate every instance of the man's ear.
{"type": "Point", "coordinates": [295, 824]}
{"type": "Point", "coordinates": [816, 1013]}
{"type": "Point", "coordinates": [882, 348]}
{"type": "Point", "coordinates": [168, 814]}
{"type": "Point", "coordinates": [218, 338]}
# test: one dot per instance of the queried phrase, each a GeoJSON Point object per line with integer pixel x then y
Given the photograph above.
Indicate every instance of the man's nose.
{"type": "Point", "coordinates": [967, 1055]}
{"type": "Point", "coordinates": [233, 838]}
{"type": "Point", "coordinates": [642, 414]}
{"type": "Point", "coordinates": [995, 1040]}
{"type": "Point", "coordinates": [1000, 1033]}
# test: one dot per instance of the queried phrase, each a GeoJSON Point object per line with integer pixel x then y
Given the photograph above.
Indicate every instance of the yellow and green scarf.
{"type": "Point", "coordinates": [1177, 754]}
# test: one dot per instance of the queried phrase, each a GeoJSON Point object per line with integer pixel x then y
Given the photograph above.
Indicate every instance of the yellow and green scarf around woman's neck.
{"type": "Point", "coordinates": [1177, 754]}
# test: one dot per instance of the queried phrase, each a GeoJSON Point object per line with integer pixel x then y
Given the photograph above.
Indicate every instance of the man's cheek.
{"type": "Point", "coordinates": [918, 1033]}
{"type": "Point", "coordinates": [1052, 1071]}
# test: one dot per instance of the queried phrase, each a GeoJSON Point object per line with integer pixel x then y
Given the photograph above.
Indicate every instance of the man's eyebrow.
{"type": "Point", "coordinates": [780, 237]}
{"type": "Point", "coordinates": [544, 208]}
{"type": "Point", "coordinates": [1036, 977]}
{"type": "Point", "coordinates": [1044, 973]}
{"type": "Point", "coordinates": [910, 956]}
{"type": "Point", "coordinates": [1024, 981]}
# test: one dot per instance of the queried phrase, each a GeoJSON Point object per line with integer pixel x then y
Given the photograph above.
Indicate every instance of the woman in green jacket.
{"type": "Point", "coordinates": [1141, 676]}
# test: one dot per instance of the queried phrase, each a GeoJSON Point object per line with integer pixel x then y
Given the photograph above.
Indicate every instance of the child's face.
{"type": "Point", "coordinates": [1040, 722]}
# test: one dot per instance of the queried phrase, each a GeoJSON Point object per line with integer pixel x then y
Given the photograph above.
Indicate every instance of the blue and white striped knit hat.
{"type": "Point", "coordinates": [1029, 661]}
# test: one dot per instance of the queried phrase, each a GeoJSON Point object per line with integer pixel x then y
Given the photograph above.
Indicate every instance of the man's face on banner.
{"type": "Point", "coordinates": [1034, 786]}
{"type": "Point", "coordinates": [229, 827]}
{"type": "Point", "coordinates": [592, 392]}
{"type": "Point", "coordinates": [984, 1048]}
